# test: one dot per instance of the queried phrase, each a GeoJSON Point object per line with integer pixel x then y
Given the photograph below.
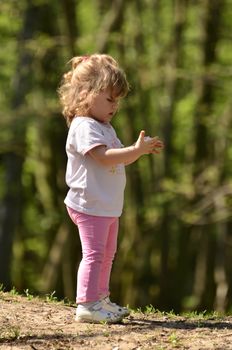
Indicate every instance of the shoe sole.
{"type": "Point", "coordinates": [85, 320]}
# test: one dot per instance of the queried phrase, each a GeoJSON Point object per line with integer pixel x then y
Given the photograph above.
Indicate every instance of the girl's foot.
{"type": "Point", "coordinates": [96, 313]}
{"type": "Point", "coordinates": [113, 307]}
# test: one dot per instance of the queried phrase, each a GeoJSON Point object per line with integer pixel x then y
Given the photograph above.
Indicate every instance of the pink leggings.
{"type": "Point", "coordinates": [98, 235]}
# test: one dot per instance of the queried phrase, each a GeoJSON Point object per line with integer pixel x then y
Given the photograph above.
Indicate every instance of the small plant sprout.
{"type": "Point", "coordinates": [51, 297]}
{"type": "Point", "coordinates": [106, 333]}
{"type": "Point", "coordinates": [15, 332]}
{"type": "Point", "coordinates": [14, 291]}
{"type": "Point", "coordinates": [173, 338]}
{"type": "Point", "coordinates": [28, 295]}
{"type": "Point", "coordinates": [139, 310]}
{"type": "Point", "coordinates": [150, 309]}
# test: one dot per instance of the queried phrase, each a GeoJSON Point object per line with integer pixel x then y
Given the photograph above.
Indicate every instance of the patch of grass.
{"type": "Point", "coordinates": [89, 330]}
{"type": "Point", "coordinates": [205, 315]}
{"type": "Point", "coordinates": [193, 315]}
{"type": "Point", "coordinates": [170, 314]}
{"type": "Point", "coordinates": [138, 310]}
{"type": "Point", "coordinates": [12, 333]}
{"type": "Point", "coordinates": [28, 295]}
{"type": "Point", "coordinates": [14, 291]}
{"type": "Point", "coordinates": [15, 332]}
{"type": "Point", "coordinates": [174, 339]}
{"type": "Point", "coordinates": [68, 302]}
{"type": "Point", "coordinates": [149, 309]}
{"type": "Point", "coordinates": [106, 333]}
{"type": "Point", "coordinates": [51, 297]}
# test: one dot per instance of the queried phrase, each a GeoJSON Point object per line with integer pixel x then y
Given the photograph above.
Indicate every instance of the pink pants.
{"type": "Point", "coordinates": [98, 235]}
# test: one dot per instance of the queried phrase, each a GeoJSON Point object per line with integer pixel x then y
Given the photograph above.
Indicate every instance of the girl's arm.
{"type": "Point", "coordinates": [126, 155]}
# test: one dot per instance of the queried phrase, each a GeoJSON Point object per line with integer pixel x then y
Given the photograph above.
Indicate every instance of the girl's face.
{"type": "Point", "coordinates": [104, 106]}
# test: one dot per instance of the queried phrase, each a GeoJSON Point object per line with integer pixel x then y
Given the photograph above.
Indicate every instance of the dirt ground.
{"type": "Point", "coordinates": [32, 323]}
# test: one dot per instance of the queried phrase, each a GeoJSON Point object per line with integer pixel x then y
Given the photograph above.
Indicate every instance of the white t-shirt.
{"type": "Point", "coordinates": [95, 189]}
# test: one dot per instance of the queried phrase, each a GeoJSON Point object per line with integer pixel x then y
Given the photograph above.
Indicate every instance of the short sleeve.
{"type": "Point", "coordinates": [88, 135]}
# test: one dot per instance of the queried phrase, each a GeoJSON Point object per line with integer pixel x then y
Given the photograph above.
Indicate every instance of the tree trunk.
{"type": "Point", "coordinates": [13, 160]}
{"type": "Point", "coordinates": [204, 150]}
{"type": "Point", "coordinates": [69, 7]}
{"type": "Point", "coordinates": [171, 88]}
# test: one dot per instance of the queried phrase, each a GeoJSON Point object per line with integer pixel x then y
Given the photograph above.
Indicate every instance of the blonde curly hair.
{"type": "Point", "coordinates": [88, 76]}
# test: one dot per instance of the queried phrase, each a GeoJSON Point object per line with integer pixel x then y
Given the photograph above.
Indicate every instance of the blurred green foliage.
{"type": "Point", "coordinates": [175, 240]}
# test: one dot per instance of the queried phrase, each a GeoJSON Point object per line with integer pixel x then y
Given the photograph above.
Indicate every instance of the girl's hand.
{"type": "Point", "coordinates": [146, 145]}
{"type": "Point", "coordinates": [158, 146]}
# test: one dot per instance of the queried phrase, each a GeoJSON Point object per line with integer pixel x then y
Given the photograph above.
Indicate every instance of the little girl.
{"type": "Point", "coordinates": [90, 93]}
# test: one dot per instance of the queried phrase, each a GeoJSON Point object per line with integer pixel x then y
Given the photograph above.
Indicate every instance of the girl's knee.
{"type": "Point", "coordinates": [93, 256]}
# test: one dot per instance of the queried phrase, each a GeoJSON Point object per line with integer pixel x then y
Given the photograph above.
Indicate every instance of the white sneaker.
{"type": "Point", "coordinates": [96, 313]}
{"type": "Point", "coordinates": [113, 307]}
